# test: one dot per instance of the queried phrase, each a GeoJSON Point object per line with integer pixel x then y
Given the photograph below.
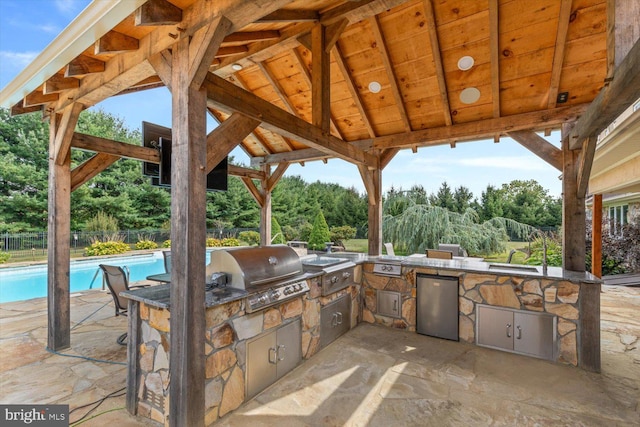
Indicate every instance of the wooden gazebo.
{"type": "Point", "coordinates": [303, 80]}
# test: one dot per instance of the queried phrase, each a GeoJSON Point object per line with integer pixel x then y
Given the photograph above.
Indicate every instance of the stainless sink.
{"type": "Point", "coordinates": [514, 268]}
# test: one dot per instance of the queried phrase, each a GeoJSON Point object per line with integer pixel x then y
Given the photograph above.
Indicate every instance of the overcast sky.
{"type": "Point", "coordinates": [28, 26]}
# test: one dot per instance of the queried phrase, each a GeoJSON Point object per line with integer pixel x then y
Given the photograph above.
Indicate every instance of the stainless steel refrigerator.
{"type": "Point", "coordinates": [437, 309]}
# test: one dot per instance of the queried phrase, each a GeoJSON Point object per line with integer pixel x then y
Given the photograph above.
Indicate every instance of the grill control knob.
{"type": "Point", "coordinates": [275, 294]}
{"type": "Point", "coordinates": [262, 299]}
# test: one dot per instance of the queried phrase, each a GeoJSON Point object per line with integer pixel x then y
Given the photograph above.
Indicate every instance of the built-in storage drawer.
{"type": "Point", "coordinates": [518, 331]}
{"type": "Point", "coordinates": [272, 355]}
{"type": "Point", "coordinates": [335, 319]}
{"type": "Point", "coordinates": [388, 303]}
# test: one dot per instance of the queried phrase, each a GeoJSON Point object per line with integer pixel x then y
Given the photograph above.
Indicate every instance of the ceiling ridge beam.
{"type": "Point", "coordinates": [225, 95]}
{"type": "Point", "coordinates": [437, 60]}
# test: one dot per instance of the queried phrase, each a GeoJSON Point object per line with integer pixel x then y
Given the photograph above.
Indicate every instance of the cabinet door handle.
{"type": "Point", "coordinates": [272, 352]}
{"type": "Point", "coordinates": [334, 320]}
{"type": "Point", "coordinates": [395, 305]}
{"type": "Point", "coordinates": [339, 318]}
{"type": "Point", "coordinates": [283, 348]}
{"type": "Point", "coordinates": [519, 335]}
{"type": "Point", "coordinates": [508, 330]}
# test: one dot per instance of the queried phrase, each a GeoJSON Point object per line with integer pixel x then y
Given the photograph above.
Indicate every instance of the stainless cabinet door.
{"type": "Point", "coordinates": [289, 347]}
{"type": "Point", "coordinates": [343, 310]}
{"type": "Point", "coordinates": [335, 319]}
{"type": "Point", "coordinates": [261, 363]}
{"type": "Point", "coordinates": [389, 303]}
{"type": "Point", "coordinates": [495, 327]}
{"type": "Point", "coordinates": [533, 334]}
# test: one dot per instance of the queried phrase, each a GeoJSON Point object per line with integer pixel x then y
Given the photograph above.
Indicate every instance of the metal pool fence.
{"type": "Point", "coordinates": [32, 246]}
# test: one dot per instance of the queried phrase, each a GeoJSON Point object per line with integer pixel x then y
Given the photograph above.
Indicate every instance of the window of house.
{"type": "Point", "coordinates": [617, 218]}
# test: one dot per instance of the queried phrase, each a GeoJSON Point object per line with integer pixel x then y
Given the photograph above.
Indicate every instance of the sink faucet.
{"type": "Point", "coordinates": [544, 248]}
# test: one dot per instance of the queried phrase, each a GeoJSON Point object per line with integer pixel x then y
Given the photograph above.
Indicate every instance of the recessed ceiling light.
{"type": "Point", "coordinates": [374, 87]}
{"type": "Point", "coordinates": [465, 63]}
{"type": "Point", "coordinates": [469, 95]}
{"type": "Point", "coordinates": [236, 66]}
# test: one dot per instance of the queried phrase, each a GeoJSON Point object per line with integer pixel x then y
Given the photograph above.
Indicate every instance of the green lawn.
{"type": "Point", "coordinates": [361, 245]}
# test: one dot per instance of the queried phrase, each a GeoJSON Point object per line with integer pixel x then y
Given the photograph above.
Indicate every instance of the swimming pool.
{"type": "Point", "coordinates": [22, 283]}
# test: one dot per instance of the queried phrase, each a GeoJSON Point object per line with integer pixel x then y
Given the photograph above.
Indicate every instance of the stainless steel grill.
{"type": "Point", "coordinates": [270, 274]}
{"type": "Point", "coordinates": [338, 272]}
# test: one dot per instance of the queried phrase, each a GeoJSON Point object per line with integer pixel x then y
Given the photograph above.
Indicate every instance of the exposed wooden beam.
{"type": "Point", "coordinates": [558, 55]}
{"type": "Point", "coordinates": [115, 42]}
{"type": "Point", "coordinates": [252, 36]}
{"type": "Point", "coordinates": [65, 132]}
{"type": "Point", "coordinates": [218, 117]}
{"type": "Point", "coordinates": [320, 79]}
{"type": "Point", "coordinates": [38, 98]}
{"type": "Point", "coordinates": [437, 60]}
{"type": "Point", "coordinates": [393, 79]}
{"type": "Point", "coordinates": [18, 109]}
{"type": "Point", "coordinates": [333, 32]}
{"type": "Point", "coordinates": [231, 51]}
{"type": "Point", "coordinates": [277, 88]}
{"type": "Point", "coordinates": [474, 131]}
{"type": "Point", "coordinates": [86, 142]}
{"type": "Point", "coordinates": [573, 212]}
{"type": "Point", "coordinates": [146, 84]}
{"type": "Point", "coordinates": [356, 11]}
{"type": "Point", "coordinates": [612, 100]}
{"type": "Point", "coordinates": [286, 15]}
{"type": "Point", "coordinates": [596, 236]}
{"type": "Point", "coordinates": [357, 99]}
{"type": "Point", "coordinates": [82, 65]}
{"type": "Point", "coordinates": [276, 175]}
{"type": "Point", "coordinates": [128, 68]}
{"type": "Point", "coordinates": [253, 190]}
{"type": "Point", "coordinates": [586, 162]}
{"type": "Point", "coordinates": [158, 12]}
{"type": "Point", "coordinates": [372, 180]}
{"type": "Point", "coordinates": [203, 47]}
{"type": "Point", "coordinates": [240, 172]}
{"type": "Point", "coordinates": [226, 137]}
{"type": "Point", "coordinates": [226, 96]}
{"type": "Point", "coordinates": [386, 156]}
{"type": "Point", "coordinates": [306, 154]}
{"type": "Point", "coordinates": [58, 83]}
{"type": "Point", "coordinates": [539, 146]}
{"type": "Point", "coordinates": [90, 168]}
{"type": "Point", "coordinates": [161, 62]}
{"type": "Point", "coordinates": [494, 56]}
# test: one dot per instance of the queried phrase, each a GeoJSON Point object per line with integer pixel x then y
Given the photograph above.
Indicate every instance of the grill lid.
{"type": "Point", "coordinates": [255, 266]}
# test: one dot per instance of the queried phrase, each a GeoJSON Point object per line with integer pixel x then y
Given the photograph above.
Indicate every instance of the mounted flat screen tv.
{"type": "Point", "coordinates": [159, 137]}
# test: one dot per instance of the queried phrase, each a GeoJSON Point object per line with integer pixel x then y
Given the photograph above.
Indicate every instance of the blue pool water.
{"type": "Point", "coordinates": [22, 283]}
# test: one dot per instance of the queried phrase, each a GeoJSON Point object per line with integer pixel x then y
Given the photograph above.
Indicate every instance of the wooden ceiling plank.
{"type": "Point", "coordinates": [287, 15]}
{"type": "Point", "coordinates": [320, 79]}
{"type": "Point", "coordinates": [96, 144]}
{"type": "Point", "coordinates": [226, 96]}
{"type": "Point", "coordinates": [130, 67]}
{"type": "Point", "coordinates": [356, 11]}
{"type": "Point", "coordinates": [393, 79]}
{"type": "Point", "coordinates": [252, 36]}
{"type": "Point", "coordinates": [612, 100]}
{"type": "Point", "coordinates": [437, 60]}
{"type": "Point", "coordinates": [495, 57]}
{"type": "Point", "coordinates": [203, 47]}
{"type": "Point", "coordinates": [226, 137]}
{"type": "Point", "coordinates": [58, 83]}
{"type": "Point", "coordinates": [38, 98]}
{"type": "Point", "coordinates": [226, 51]}
{"type": "Point", "coordinates": [276, 175]}
{"type": "Point", "coordinates": [558, 56]}
{"type": "Point", "coordinates": [584, 168]}
{"type": "Point", "coordinates": [64, 133]}
{"type": "Point", "coordinates": [90, 168]}
{"type": "Point", "coordinates": [240, 171]}
{"type": "Point", "coordinates": [82, 65]}
{"type": "Point", "coordinates": [158, 12]}
{"type": "Point", "coordinates": [357, 99]}
{"type": "Point", "coordinates": [115, 42]}
{"type": "Point", "coordinates": [539, 146]}
{"type": "Point", "coordinates": [536, 120]}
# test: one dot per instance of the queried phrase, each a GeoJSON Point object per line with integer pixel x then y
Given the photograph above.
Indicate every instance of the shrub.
{"type": "Point", "coordinates": [554, 252]}
{"type": "Point", "coordinates": [166, 243]}
{"type": "Point", "coordinates": [4, 257]}
{"type": "Point", "coordinates": [213, 243]}
{"type": "Point", "coordinates": [107, 248]}
{"type": "Point", "coordinates": [146, 244]}
{"type": "Point", "coordinates": [276, 232]}
{"type": "Point", "coordinates": [320, 233]}
{"type": "Point", "coordinates": [250, 237]}
{"type": "Point", "coordinates": [230, 241]}
{"type": "Point", "coordinates": [340, 234]}
{"type": "Point", "coordinates": [102, 222]}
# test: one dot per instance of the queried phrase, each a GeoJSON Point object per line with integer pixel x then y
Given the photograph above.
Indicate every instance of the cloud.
{"type": "Point", "coordinates": [66, 6]}
{"type": "Point", "coordinates": [16, 59]}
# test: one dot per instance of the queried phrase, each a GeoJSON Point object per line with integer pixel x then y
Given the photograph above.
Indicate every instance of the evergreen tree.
{"type": "Point", "coordinates": [276, 232]}
{"type": "Point", "coordinates": [444, 197]}
{"type": "Point", "coordinates": [320, 233]}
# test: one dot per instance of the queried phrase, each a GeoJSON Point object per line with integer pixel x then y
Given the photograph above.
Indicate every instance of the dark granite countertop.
{"type": "Point", "coordinates": [159, 296]}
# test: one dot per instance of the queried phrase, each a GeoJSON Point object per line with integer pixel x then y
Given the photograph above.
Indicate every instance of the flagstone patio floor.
{"type": "Point", "coordinates": [372, 376]}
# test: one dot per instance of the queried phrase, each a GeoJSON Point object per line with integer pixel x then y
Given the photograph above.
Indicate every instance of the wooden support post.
{"type": "Point", "coordinates": [373, 183]}
{"type": "Point", "coordinates": [589, 340]}
{"type": "Point", "coordinates": [573, 211]}
{"type": "Point", "coordinates": [596, 236]}
{"type": "Point", "coordinates": [265, 208]}
{"type": "Point", "coordinates": [188, 234]}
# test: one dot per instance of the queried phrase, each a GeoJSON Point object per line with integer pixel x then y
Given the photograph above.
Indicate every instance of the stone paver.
{"type": "Point", "coordinates": [371, 376]}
